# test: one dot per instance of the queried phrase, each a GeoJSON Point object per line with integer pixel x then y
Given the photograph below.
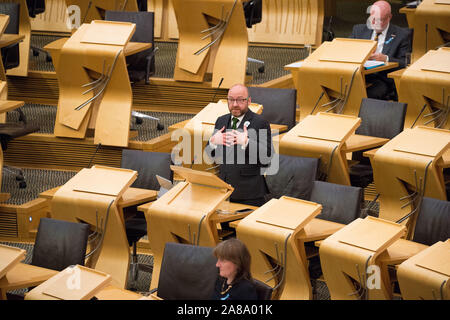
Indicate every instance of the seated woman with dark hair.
{"type": "Point", "coordinates": [235, 281]}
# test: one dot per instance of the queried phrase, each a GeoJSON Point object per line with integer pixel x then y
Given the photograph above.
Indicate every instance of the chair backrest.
{"type": "Point", "coordinates": [11, 9]}
{"type": "Point", "coordinates": [294, 178]}
{"type": "Point", "coordinates": [340, 203]}
{"type": "Point", "coordinates": [187, 272]}
{"type": "Point", "coordinates": [278, 104]}
{"type": "Point", "coordinates": [380, 118]}
{"type": "Point", "coordinates": [252, 12]}
{"type": "Point", "coordinates": [433, 221]}
{"type": "Point", "coordinates": [137, 63]}
{"type": "Point", "coordinates": [148, 165]}
{"type": "Point", "coordinates": [263, 291]}
{"type": "Point", "coordinates": [10, 54]}
{"type": "Point", "coordinates": [35, 7]}
{"type": "Point", "coordinates": [60, 244]}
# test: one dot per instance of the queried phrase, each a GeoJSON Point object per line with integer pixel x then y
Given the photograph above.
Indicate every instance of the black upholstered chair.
{"type": "Point", "coordinates": [148, 165]}
{"type": "Point", "coordinates": [341, 204]}
{"type": "Point", "coordinates": [279, 105]}
{"type": "Point", "coordinates": [263, 291]}
{"type": "Point", "coordinates": [379, 118]}
{"type": "Point", "coordinates": [433, 221]}
{"type": "Point", "coordinates": [294, 178]}
{"type": "Point", "coordinates": [142, 64]}
{"type": "Point", "coordinates": [188, 272]}
{"type": "Point", "coordinates": [58, 244]}
{"type": "Point", "coordinates": [10, 54]}
{"type": "Point", "coordinates": [12, 130]}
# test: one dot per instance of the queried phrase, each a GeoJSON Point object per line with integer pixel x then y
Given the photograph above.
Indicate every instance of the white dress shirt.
{"type": "Point", "coordinates": [381, 40]}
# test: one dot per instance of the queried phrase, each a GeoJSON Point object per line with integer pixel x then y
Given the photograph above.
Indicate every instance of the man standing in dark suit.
{"type": "Point", "coordinates": [393, 45]}
{"type": "Point", "coordinates": [242, 146]}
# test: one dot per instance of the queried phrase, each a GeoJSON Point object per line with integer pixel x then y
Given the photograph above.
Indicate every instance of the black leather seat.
{"type": "Point", "coordinates": [279, 105]}
{"type": "Point", "coordinates": [187, 272]}
{"type": "Point", "coordinates": [341, 204]}
{"type": "Point", "coordinates": [433, 221]}
{"type": "Point", "coordinates": [294, 178]}
{"type": "Point", "coordinates": [10, 54]}
{"type": "Point", "coordinates": [379, 118]}
{"type": "Point", "coordinates": [148, 165]}
{"type": "Point", "coordinates": [263, 291]}
{"type": "Point", "coordinates": [58, 244]}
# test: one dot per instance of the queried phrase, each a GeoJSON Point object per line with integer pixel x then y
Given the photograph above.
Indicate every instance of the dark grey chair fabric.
{"type": "Point", "coordinates": [187, 272]}
{"type": "Point", "coordinates": [60, 244]}
{"type": "Point", "coordinates": [263, 291]}
{"type": "Point", "coordinates": [35, 7]}
{"type": "Point", "coordinates": [294, 178]}
{"type": "Point", "coordinates": [341, 204]}
{"type": "Point", "coordinates": [10, 54]}
{"type": "Point", "coordinates": [148, 165]}
{"type": "Point", "coordinates": [433, 221]}
{"type": "Point", "coordinates": [278, 104]}
{"type": "Point", "coordinates": [142, 64]}
{"type": "Point", "coordinates": [379, 118]}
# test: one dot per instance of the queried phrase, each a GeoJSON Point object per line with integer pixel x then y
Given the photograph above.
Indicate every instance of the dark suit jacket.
{"type": "Point", "coordinates": [396, 48]}
{"type": "Point", "coordinates": [243, 168]}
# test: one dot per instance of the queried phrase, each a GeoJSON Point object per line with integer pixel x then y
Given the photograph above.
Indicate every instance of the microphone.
{"type": "Point", "coordinates": [217, 89]}
{"type": "Point", "coordinates": [426, 37]}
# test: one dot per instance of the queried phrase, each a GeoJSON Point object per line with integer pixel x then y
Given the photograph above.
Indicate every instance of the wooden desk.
{"type": "Point", "coordinates": [9, 257]}
{"type": "Point", "coordinates": [323, 136]}
{"type": "Point", "coordinates": [426, 275]}
{"type": "Point", "coordinates": [272, 235]}
{"type": "Point", "coordinates": [89, 283]}
{"type": "Point", "coordinates": [350, 251]}
{"type": "Point", "coordinates": [87, 59]}
{"type": "Point", "coordinates": [357, 142]}
{"type": "Point", "coordinates": [386, 66]}
{"type": "Point", "coordinates": [401, 166]}
{"type": "Point", "coordinates": [424, 86]}
{"type": "Point", "coordinates": [24, 275]}
{"type": "Point", "coordinates": [8, 39]}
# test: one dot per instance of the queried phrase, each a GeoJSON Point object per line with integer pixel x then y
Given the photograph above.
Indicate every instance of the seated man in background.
{"type": "Point", "coordinates": [393, 45]}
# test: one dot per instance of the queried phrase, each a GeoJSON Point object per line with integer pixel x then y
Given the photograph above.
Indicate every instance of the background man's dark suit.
{"type": "Point", "coordinates": [246, 178]}
{"type": "Point", "coordinates": [396, 49]}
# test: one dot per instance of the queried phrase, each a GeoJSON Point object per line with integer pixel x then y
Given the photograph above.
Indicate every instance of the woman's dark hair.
{"type": "Point", "coordinates": [235, 251]}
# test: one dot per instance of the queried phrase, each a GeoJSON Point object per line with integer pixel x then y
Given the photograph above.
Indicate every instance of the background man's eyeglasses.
{"type": "Point", "coordinates": [238, 100]}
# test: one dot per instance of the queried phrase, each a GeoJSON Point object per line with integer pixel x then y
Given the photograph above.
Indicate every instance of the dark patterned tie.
{"type": "Point", "coordinates": [376, 36]}
{"type": "Point", "coordinates": [235, 120]}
